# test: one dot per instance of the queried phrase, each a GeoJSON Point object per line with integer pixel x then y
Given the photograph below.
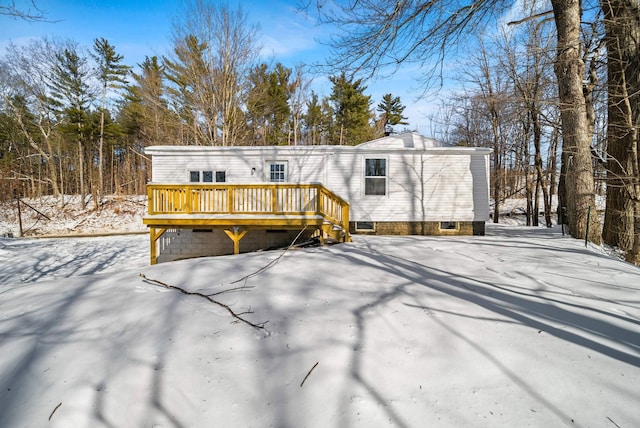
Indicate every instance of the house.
{"type": "Point", "coordinates": [207, 200]}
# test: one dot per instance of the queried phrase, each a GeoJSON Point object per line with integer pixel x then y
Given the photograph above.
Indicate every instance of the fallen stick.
{"type": "Point", "coordinates": [308, 373]}
{"type": "Point", "coordinates": [54, 410]}
{"type": "Point", "coordinates": [207, 297]}
{"type": "Point", "coordinates": [613, 422]}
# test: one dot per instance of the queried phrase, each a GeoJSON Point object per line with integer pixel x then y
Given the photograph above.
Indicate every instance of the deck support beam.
{"type": "Point", "coordinates": [154, 234]}
{"type": "Point", "coordinates": [235, 234]}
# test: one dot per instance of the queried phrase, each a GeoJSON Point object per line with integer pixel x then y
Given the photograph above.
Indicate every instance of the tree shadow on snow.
{"type": "Point", "coordinates": [614, 335]}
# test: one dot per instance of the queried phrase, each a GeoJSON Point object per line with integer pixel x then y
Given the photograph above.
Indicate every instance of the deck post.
{"type": "Point", "coordinates": [236, 235]}
{"type": "Point", "coordinates": [188, 199]}
{"type": "Point", "coordinates": [154, 234]}
{"type": "Point", "coordinates": [230, 199]}
{"type": "Point", "coordinates": [150, 201]}
{"type": "Point", "coordinates": [345, 223]}
{"type": "Point", "coordinates": [320, 196]}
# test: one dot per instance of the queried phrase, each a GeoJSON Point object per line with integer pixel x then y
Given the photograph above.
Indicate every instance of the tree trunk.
{"type": "Point", "coordinates": [541, 179]}
{"type": "Point", "coordinates": [81, 174]}
{"type": "Point", "coordinates": [100, 189]}
{"type": "Point", "coordinates": [569, 70]}
{"type": "Point", "coordinates": [622, 39]}
{"type": "Point", "coordinates": [551, 167]}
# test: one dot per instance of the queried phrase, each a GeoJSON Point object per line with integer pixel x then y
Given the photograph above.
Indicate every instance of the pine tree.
{"type": "Point", "coordinates": [111, 75]}
{"type": "Point", "coordinates": [193, 91]}
{"type": "Point", "coordinates": [351, 109]}
{"type": "Point", "coordinates": [391, 109]}
{"type": "Point", "coordinates": [268, 103]}
{"type": "Point", "coordinates": [71, 95]}
{"type": "Point", "coordinates": [313, 119]}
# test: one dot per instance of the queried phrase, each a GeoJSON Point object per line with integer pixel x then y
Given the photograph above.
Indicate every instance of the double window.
{"type": "Point", "coordinates": [375, 177]}
{"type": "Point", "coordinates": [207, 176]}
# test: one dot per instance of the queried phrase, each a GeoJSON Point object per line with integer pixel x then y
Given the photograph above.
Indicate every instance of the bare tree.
{"type": "Point", "coordinates": [576, 141]}
{"type": "Point", "coordinates": [29, 69]}
{"type": "Point", "coordinates": [215, 47]}
{"type": "Point", "coordinates": [622, 217]}
{"type": "Point", "coordinates": [493, 94]}
{"type": "Point", "coordinates": [299, 94]}
{"type": "Point", "coordinates": [377, 34]}
{"type": "Point", "coordinates": [526, 61]}
{"type": "Point", "coordinates": [28, 12]}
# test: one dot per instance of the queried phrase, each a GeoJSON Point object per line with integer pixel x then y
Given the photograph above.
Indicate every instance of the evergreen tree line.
{"type": "Point", "coordinates": [75, 120]}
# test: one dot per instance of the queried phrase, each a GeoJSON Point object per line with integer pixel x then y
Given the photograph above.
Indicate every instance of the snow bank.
{"type": "Point", "coordinates": [67, 216]}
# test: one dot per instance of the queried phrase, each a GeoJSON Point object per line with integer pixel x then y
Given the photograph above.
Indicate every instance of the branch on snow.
{"type": "Point", "coordinates": [271, 263]}
{"type": "Point", "coordinates": [237, 316]}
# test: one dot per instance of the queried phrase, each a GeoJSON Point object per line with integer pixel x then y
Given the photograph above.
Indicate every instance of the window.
{"type": "Point", "coordinates": [448, 225]}
{"type": "Point", "coordinates": [277, 172]}
{"type": "Point", "coordinates": [365, 226]}
{"type": "Point", "coordinates": [206, 176]}
{"type": "Point", "coordinates": [375, 177]}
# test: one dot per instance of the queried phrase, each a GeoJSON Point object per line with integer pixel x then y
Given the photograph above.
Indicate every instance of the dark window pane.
{"type": "Point", "coordinates": [221, 176]}
{"type": "Point", "coordinates": [375, 186]}
{"type": "Point", "coordinates": [364, 225]}
{"type": "Point", "coordinates": [375, 168]}
{"type": "Point", "coordinates": [207, 176]}
{"type": "Point", "coordinates": [194, 176]}
{"type": "Point", "coordinates": [448, 225]}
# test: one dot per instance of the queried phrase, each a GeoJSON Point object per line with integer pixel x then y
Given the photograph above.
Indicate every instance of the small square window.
{"type": "Point", "coordinates": [221, 176]}
{"type": "Point", "coordinates": [278, 172]}
{"type": "Point", "coordinates": [194, 176]}
{"type": "Point", "coordinates": [207, 176]}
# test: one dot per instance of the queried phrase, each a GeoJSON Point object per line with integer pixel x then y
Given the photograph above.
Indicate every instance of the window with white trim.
{"type": "Point", "coordinates": [277, 171]}
{"type": "Point", "coordinates": [375, 176]}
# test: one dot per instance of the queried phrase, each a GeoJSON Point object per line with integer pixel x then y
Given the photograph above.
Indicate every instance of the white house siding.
{"type": "Point", "coordinates": [421, 187]}
{"type": "Point", "coordinates": [240, 166]}
{"type": "Point", "coordinates": [425, 183]}
{"type": "Point", "coordinates": [480, 173]}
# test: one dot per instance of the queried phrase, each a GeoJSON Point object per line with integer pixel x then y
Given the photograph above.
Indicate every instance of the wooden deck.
{"type": "Point", "coordinates": [237, 208]}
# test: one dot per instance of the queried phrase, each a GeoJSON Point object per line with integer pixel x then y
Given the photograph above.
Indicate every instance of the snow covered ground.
{"type": "Point", "coordinates": [66, 216]}
{"type": "Point", "coordinates": [42, 259]}
{"type": "Point", "coordinates": [522, 327]}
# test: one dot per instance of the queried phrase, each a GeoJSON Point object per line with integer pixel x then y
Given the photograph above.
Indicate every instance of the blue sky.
{"type": "Point", "coordinates": [143, 27]}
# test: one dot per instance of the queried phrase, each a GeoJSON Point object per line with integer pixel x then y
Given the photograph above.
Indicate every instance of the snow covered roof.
{"type": "Point", "coordinates": [408, 141]}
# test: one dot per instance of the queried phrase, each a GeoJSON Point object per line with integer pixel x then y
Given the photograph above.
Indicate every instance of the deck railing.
{"type": "Point", "coordinates": [242, 199]}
